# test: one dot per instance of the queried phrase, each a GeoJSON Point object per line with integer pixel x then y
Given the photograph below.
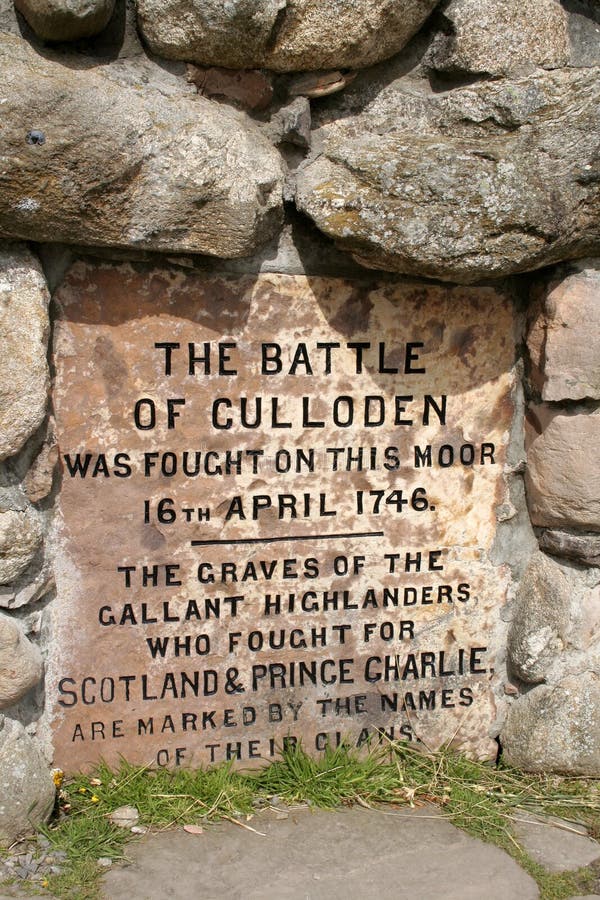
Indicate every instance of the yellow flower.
{"type": "Point", "coordinates": [82, 790]}
{"type": "Point", "coordinates": [95, 799]}
{"type": "Point", "coordinates": [58, 776]}
{"type": "Point", "coordinates": [45, 882]}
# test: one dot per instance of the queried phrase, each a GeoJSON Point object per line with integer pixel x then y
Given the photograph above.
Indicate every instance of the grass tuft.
{"type": "Point", "coordinates": [474, 796]}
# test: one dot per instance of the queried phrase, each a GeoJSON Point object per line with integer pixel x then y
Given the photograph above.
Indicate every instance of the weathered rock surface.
{"type": "Point", "coordinates": [555, 628]}
{"type": "Point", "coordinates": [24, 331]}
{"type": "Point", "coordinates": [473, 183]}
{"type": "Point", "coordinates": [556, 728]}
{"type": "Point", "coordinates": [584, 31]}
{"type": "Point", "coordinates": [496, 36]}
{"type": "Point", "coordinates": [119, 40]}
{"type": "Point", "coordinates": [291, 123]}
{"type": "Point", "coordinates": [562, 475]}
{"type": "Point", "coordinates": [20, 662]}
{"type": "Point", "coordinates": [21, 535]}
{"type": "Point", "coordinates": [66, 20]}
{"type": "Point", "coordinates": [107, 159]}
{"type": "Point", "coordinates": [18, 595]}
{"type": "Point", "coordinates": [28, 792]}
{"type": "Point", "coordinates": [284, 35]}
{"type": "Point", "coordinates": [540, 623]}
{"type": "Point", "coordinates": [584, 548]}
{"type": "Point", "coordinates": [564, 337]}
{"type": "Point", "coordinates": [39, 479]}
{"type": "Point", "coordinates": [8, 17]}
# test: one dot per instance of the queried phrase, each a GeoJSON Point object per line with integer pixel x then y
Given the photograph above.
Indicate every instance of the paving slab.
{"type": "Point", "coordinates": [318, 855]}
{"type": "Point", "coordinates": [558, 846]}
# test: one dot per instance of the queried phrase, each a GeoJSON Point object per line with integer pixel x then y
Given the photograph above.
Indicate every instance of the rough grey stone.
{"type": "Point", "coordinates": [584, 31]}
{"type": "Point", "coordinates": [555, 624]}
{"type": "Point", "coordinates": [30, 592]}
{"type": "Point", "coordinates": [497, 36]}
{"type": "Point", "coordinates": [564, 334]}
{"type": "Point", "coordinates": [21, 665]}
{"type": "Point", "coordinates": [291, 123]}
{"type": "Point", "coordinates": [21, 535]}
{"type": "Point", "coordinates": [100, 156]}
{"type": "Point", "coordinates": [585, 548]}
{"type": "Point", "coordinates": [8, 17]}
{"type": "Point", "coordinates": [284, 35]}
{"type": "Point", "coordinates": [298, 249]}
{"type": "Point", "coordinates": [556, 728]}
{"type": "Point", "coordinates": [474, 183]}
{"type": "Point", "coordinates": [7, 596]}
{"type": "Point", "coordinates": [557, 845]}
{"type": "Point", "coordinates": [24, 331]}
{"type": "Point", "coordinates": [66, 20]}
{"type": "Point", "coordinates": [26, 788]}
{"type": "Point", "coordinates": [562, 476]}
{"type": "Point", "coordinates": [538, 631]}
{"type": "Point", "coordinates": [119, 40]}
{"type": "Point", "coordinates": [125, 816]}
{"type": "Point", "coordinates": [38, 482]}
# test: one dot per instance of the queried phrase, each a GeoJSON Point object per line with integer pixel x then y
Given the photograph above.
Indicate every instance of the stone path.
{"type": "Point", "coordinates": [315, 855]}
{"type": "Point", "coordinates": [303, 854]}
{"type": "Point", "coordinates": [557, 845]}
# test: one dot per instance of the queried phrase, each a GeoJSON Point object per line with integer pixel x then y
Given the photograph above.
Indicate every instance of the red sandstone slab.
{"type": "Point", "coordinates": [341, 582]}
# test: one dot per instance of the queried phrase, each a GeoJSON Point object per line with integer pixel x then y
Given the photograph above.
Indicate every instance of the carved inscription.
{"type": "Point", "coordinates": [278, 501]}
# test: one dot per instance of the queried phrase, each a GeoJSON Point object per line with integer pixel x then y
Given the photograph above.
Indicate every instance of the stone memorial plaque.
{"type": "Point", "coordinates": [279, 496]}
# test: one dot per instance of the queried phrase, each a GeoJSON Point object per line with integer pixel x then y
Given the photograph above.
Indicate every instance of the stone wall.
{"type": "Point", "coordinates": [450, 142]}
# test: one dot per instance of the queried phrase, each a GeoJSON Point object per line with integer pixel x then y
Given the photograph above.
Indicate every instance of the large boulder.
{"type": "Point", "coordinates": [474, 183]}
{"type": "Point", "coordinates": [496, 36]}
{"type": "Point", "coordinates": [556, 728]}
{"type": "Point", "coordinates": [564, 336]}
{"type": "Point", "coordinates": [27, 790]}
{"type": "Point", "coordinates": [24, 332]}
{"type": "Point", "coordinates": [562, 476]}
{"type": "Point", "coordinates": [284, 35]}
{"type": "Point", "coordinates": [128, 155]}
{"type": "Point", "coordinates": [66, 20]}
{"type": "Point", "coordinates": [21, 664]}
